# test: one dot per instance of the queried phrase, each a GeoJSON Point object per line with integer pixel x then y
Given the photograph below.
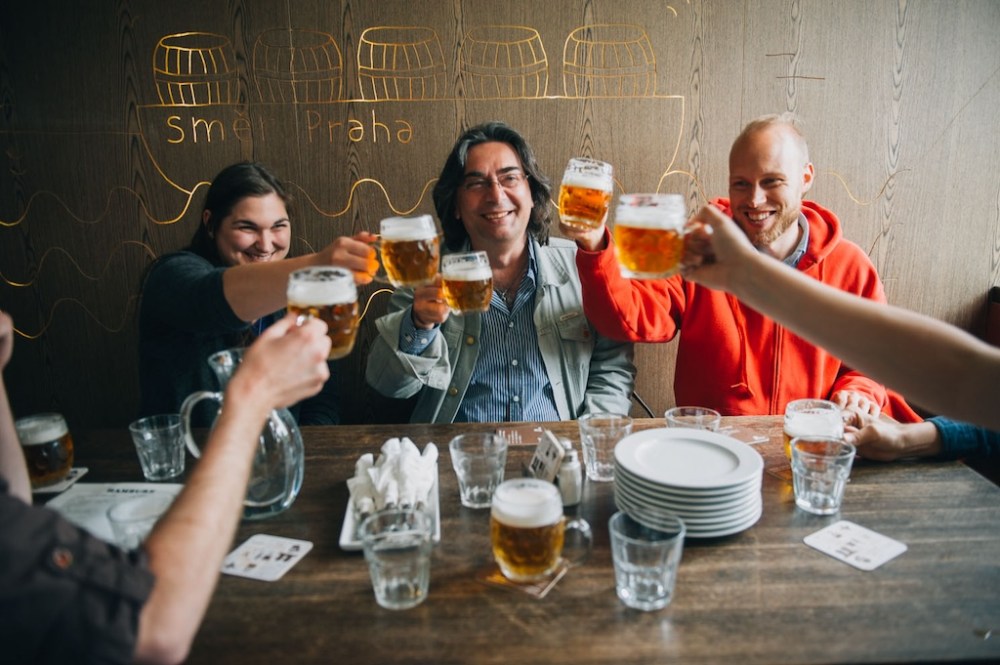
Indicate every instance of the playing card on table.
{"type": "Point", "coordinates": [264, 557]}
{"type": "Point", "coordinates": [853, 544]}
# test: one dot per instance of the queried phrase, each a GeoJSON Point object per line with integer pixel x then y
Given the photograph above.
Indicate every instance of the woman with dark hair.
{"type": "Point", "coordinates": [532, 355]}
{"type": "Point", "coordinates": [227, 286]}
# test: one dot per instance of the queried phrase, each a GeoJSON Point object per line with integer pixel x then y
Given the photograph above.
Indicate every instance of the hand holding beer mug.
{"type": "Point", "coordinates": [812, 418]}
{"type": "Point", "coordinates": [47, 446]}
{"type": "Point", "coordinates": [329, 294]}
{"type": "Point", "coordinates": [411, 250]}
{"type": "Point", "coordinates": [585, 194]}
{"type": "Point", "coordinates": [467, 280]}
{"type": "Point", "coordinates": [528, 530]}
{"type": "Point", "coordinates": [649, 235]}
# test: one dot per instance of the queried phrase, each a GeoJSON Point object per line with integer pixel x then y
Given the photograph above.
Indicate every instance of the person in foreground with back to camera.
{"type": "Point", "coordinates": [936, 365]}
{"type": "Point", "coordinates": [533, 355]}
{"type": "Point", "coordinates": [68, 597]}
{"type": "Point", "coordinates": [227, 286]}
{"type": "Point", "coordinates": [730, 357]}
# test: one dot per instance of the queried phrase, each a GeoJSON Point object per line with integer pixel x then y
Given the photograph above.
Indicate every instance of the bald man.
{"type": "Point", "coordinates": [730, 357]}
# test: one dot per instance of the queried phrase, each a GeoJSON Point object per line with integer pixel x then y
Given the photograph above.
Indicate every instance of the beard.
{"type": "Point", "coordinates": [765, 237]}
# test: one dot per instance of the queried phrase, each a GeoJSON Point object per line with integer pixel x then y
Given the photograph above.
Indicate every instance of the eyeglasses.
{"type": "Point", "coordinates": [508, 180]}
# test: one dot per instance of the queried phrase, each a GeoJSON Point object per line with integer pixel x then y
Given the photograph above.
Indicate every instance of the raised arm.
{"type": "Point", "coordinates": [257, 289]}
{"type": "Point", "coordinates": [12, 465]}
{"type": "Point", "coordinates": [286, 364]}
{"type": "Point", "coordinates": [934, 364]}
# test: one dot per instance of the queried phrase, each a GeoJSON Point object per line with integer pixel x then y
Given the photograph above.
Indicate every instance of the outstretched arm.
{"type": "Point", "coordinates": [186, 548]}
{"type": "Point", "coordinates": [12, 466]}
{"type": "Point", "coordinates": [934, 364]}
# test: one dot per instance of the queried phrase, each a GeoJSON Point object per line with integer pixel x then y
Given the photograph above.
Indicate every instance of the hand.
{"type": "Point", "coordinates": [855, 403]}
{"type": "Point", "coordinates": [885, 440]}
{"type": "Point", "coordinates": [592, 240]}
{"type": "Point", "coordinates": [355, 254]}
{"type": "Point", "coordinates": [716, 250]}
{"type": "Point", "coordinates": [429, 306]}
{"type": "Point", "coordinates": [6, 338]}
{"type": "Point", "coordinates": [287, 363]}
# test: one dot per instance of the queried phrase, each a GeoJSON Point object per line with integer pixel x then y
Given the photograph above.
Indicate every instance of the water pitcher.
{"type": "Point", "coordinates": [276, 474]}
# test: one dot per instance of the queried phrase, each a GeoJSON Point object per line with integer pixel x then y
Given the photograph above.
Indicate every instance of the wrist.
{"type": "Point", "coordinates": [922, 440]}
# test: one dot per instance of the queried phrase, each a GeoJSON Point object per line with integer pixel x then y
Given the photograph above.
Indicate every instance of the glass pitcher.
{"type": "Point", "coordinates": [278, 465]}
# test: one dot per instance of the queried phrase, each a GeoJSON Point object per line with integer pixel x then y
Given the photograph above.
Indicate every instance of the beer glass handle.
{"type": "Point", "coordinates": [577, 549]}
{"type": "Point", "coordinates": [186, 408]}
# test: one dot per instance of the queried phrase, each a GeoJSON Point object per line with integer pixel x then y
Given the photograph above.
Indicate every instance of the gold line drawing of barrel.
{"type": "Point", "coordinates": [298, 66]}
{"type": "Point", "coordinates": [504, 61]}
{"type": "Point", "coordinates": [401, 63]}
{"type": "Point", "coordinates": [609, 60]}
{"type": "Point", "coordinates": [195, 69]}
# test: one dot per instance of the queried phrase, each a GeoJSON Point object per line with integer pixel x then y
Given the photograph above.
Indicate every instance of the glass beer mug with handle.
{"type": "Point", "coordinates": [278, 464]}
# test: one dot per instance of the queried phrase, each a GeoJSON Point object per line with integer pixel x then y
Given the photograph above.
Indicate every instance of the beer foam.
{"type": "Point", "coordinates": [814, 423]}
{"type": "Point", "coordinates": [407, 228]}
{"type": "Point", "coordinates": [527, 503]}
{"type": "Point", "coordinates": [587, 180]}
{"type": "Point", "coordinates": [651, 211]}
{"type": "Point", "coordinates": [43, 428]}
{"type": "Point", "coordinates": [466, 272]}
{"type": "Point", "coordinates": [321, 286]}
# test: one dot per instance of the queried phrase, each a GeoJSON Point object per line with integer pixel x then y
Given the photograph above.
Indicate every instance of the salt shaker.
{"type": "Point", "coordinates": [570, 476]}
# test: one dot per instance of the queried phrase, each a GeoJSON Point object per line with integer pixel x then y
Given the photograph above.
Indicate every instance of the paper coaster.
{"type": "Point", "coordinates": [263, 557]}
{"type": "Point", "coordinates": [855, 545]}
{"type": "Point", "coordinates": [75, 474]}
{"type": "Point", "coordinates": [493, 577]}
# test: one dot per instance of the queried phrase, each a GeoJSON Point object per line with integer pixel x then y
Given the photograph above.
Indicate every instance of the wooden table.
{"type": "Point", "coordinates": [760, 596]}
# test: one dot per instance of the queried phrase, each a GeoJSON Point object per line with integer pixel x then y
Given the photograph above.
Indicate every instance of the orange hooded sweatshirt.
{"type": "Point", "coordinates": [730, 357]}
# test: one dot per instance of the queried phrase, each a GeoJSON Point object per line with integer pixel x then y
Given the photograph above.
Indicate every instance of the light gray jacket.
{"type": "Point", "coordinates": [588, 373]}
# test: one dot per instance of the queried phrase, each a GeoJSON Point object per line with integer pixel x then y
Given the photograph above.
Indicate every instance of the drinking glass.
{"type": "Point", "coordinates": [599, 434]}
{"type": "Point", "coordinates": [585, 194]}
{"type": "Point", "coordinates": [820, 469]}
{"type": "Point", "coordinates": [649, 235]}
{"type": "Point", "coordinates": [646, 560]}
{"type": "Point", "coordinates": [467, 281]}
{"type": "Point", "coordinates": [397, 545]}
{"type": "Point", "coordinates": [479, 460]}
{"type": "Point", "coordinates": [811, 417]}
{"type": "Point", "coordinates": [411, 250]}
{"type": "Point", "coordinates": [330, 294]}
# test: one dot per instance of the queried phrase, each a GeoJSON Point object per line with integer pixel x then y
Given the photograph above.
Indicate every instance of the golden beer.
{"type": "Point", "coordinates": [411, 250]}
{"type": "Point", "coordinates": [649, 235]}
{"type": "Point", "coordinates": [527, 528]}
{"type": "Point", "coordinates": [585, 194]}
{"type": "Point", "coordinates": [331, 295]}
{"type": "Point", "coordinates": [806, 418]}
{"type": "Point", "coordinates": [467, 281]}
{"type": "Point", "coordinates": [47, 446]}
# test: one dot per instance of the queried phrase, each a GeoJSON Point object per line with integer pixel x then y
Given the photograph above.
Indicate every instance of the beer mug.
{"type": "Point", "coordinates": [47, 446]}
{"type": "Point", "coordinates": [649, 235]}
{"type": "Point", "coordinates": [585, 194]}
{"type": "Point", "coordinates": [411, 250]}
{"type": "Point", "coordinates": [527, 529]}
{"type": "Point", "coordinates": [811, 418]}
{"type": "Point", "coordinates": [467, 281]}
{"type": "Point", "coordinates": [329, 294]}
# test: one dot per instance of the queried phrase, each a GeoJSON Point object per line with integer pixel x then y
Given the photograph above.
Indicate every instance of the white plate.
{"type": "Point", "coordinates": [736, 515]}
{"type": "Point", "coordinates": [694, 531]}
{"type": "Point", "coordinates": [685, 494]}
{"type": "Point", "coordinates": [688, 511]}
{"type": "Point", "coordinates": [348, 540]}
{"type": "Point", "coordinates": [688, 458]}
{"type": "Point", "coordinates": [661, 494]}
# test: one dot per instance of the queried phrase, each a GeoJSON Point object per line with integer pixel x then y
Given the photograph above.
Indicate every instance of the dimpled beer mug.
{"type": "Point", "coordinates": [278, 465]}
{"type": "Point", "coordinates": [329, 294]}
{"type": "Point", "coordinates": [47, 446]}
{"type": "Point", "coordinates": [411, 250]}
{"type": "Point", "coordinates": [811, 417]}
{"type": "Point", "coordinates": [527, 529]}
{"type": "Point", "coordinates": [467, 281]}
{"type": "Point", "coordinates": [585, 194]}
{"type": "Point", "coordinates": [649, 235]}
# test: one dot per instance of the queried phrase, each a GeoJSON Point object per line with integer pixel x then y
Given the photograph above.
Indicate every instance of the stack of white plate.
{"type": "Point", "coordinates": [710, 481]}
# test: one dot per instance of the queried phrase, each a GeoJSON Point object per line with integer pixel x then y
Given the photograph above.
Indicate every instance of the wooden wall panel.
{"type": "Point", "coordinates": [99, 173]}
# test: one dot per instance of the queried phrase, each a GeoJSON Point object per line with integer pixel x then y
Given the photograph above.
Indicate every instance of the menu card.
{"type": "Point", "coordinates": [86, 504]}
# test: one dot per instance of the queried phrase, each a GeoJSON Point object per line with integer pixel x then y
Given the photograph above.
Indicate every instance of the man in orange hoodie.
{"type": "Point", "coordinates": [730, 357]}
